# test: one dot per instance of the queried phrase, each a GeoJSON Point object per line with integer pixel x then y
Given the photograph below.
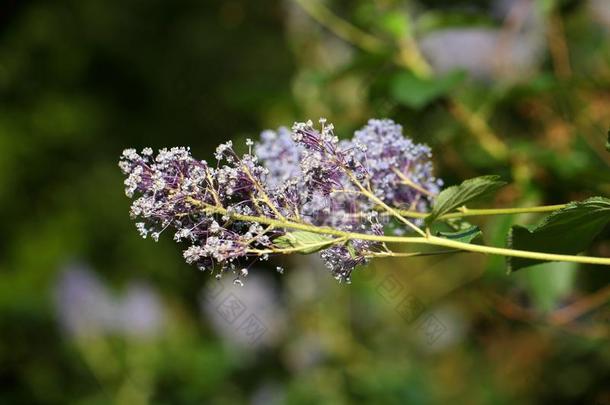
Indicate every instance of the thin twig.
{"type": "Point", "coordinates": [581, 307]}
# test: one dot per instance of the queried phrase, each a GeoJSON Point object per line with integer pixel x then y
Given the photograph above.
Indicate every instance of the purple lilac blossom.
{"type": "Point", "coordinates": [392, 161]}
{"type": "Point", "coordinates": [303, 175]}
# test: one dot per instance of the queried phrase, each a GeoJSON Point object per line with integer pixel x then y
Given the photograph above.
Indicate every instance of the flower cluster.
{"type": "Point", "coordinates": [398, 170]}
{"type": "Point", "coordinates": [232, 213]}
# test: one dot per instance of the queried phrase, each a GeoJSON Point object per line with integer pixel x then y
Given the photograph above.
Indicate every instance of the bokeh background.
{"type": "Point", "coordinates": [92, 314]}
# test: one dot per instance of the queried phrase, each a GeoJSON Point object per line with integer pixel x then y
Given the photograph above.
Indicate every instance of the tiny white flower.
{"type": "Point", "coordinates": [141, 227]}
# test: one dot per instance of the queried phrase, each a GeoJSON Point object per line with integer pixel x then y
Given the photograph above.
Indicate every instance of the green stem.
{"type": "Point", "coordinates": [435, 240]}
{"type": "Point", "coordinates": [389, 209]}
{"type": "Point", "coordinates": [413, 254]}
{"type": "Point", "coordinates": [467, 212]}
{"type": "Point", "coordinates": [427, 240]}
{"type": "Point", "coordinates": [276, 223]}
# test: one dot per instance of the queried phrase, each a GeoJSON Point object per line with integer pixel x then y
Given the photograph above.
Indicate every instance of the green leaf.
{"type": "Point", "coordinates": [417, 92]}
{"type": "Point", "coordinates": [608, 141]}
{"type": "Point", "coordinates": [306, 242]}
{"type": "Point", "coordinates": [435, 20]}
{"type": "Point", "coordinates": [567, 231]}
{"type": "Point", "coordinates": [395, 23]}
{"type": "Point", "coordinates": [465, 236]}
{"type": "Point", "coordinates": [456, 196]}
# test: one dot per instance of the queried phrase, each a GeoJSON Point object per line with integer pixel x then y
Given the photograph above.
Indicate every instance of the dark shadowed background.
{"type": "Point", "coordinates": [92, 314]}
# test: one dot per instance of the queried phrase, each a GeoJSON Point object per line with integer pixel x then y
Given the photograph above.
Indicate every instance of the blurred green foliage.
{"type": "Point", "coordinates": [529, 100]}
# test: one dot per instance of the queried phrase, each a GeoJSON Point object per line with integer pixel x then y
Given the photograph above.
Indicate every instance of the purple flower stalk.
{"type": "Point", "coordinates": [230, 213]}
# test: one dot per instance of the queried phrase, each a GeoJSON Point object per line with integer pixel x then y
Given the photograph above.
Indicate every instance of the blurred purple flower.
{"type": "Point", "coordinates": [140, 311]}
{"type": "Point", "coordinates": [85, 307]}
{"type": "Point", "coordinates": [245, 317]}
{"type": "Point", "coordinates": [510, 53]}
{"type": "Point", "coordinates": [600, 11]}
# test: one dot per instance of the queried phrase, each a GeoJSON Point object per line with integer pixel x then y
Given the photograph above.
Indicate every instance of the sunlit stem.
{"type": "Point", "coordinates": [467, 212]}
{"type": "Point", "coordinates": [264, 197]}
{"type": "Point", "coordinates": [425, 240]}
{"type": "Point", "coordinates": [212, 188]}
{"type": "Point", "coordinates": [380, 202]}
{"type": "Point", "coordinates": [411, 254]}
{"type": "Point", "coordinates": [407, 181]}
{"type": "Point", "coordinates": [434, 240]}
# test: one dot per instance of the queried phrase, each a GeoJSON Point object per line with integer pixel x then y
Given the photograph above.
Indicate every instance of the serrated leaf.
{"type": "Point", "coordinates": [567, 231]}
{"type": "Point", "coordinates": [417, 92]}
{"type": "Point", "coordinates": [465, 236]}
{"type": "Point", "coordinates": [306, 242]}
{"type": "Point", "coordinates": [456, 196]}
